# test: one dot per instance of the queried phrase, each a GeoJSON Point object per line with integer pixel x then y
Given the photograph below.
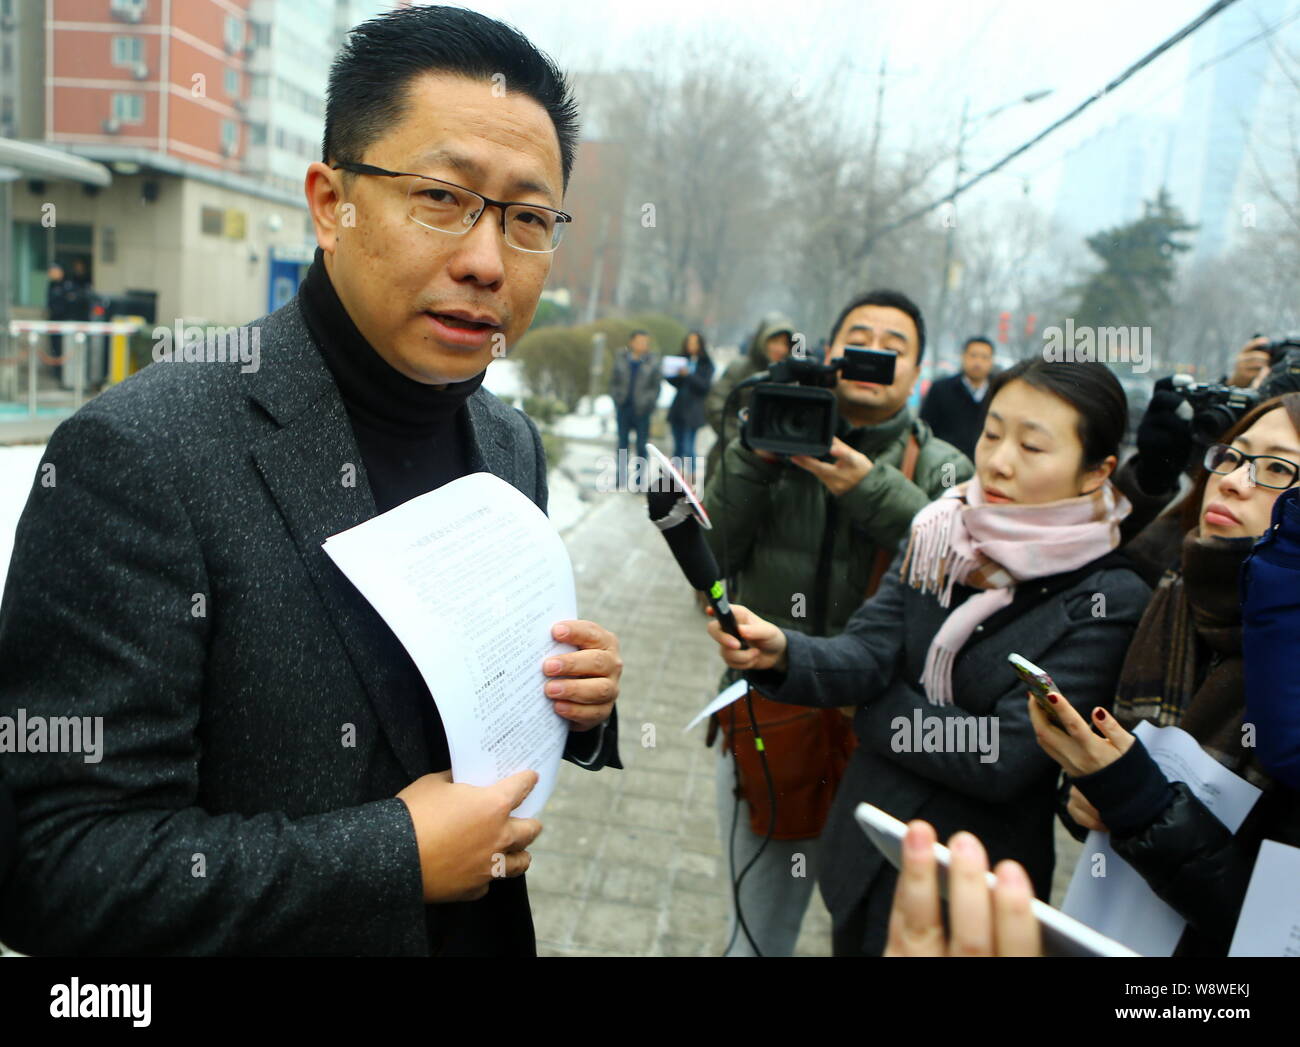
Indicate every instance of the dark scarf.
{"type": "Point", "coordinates": [1184, 665]}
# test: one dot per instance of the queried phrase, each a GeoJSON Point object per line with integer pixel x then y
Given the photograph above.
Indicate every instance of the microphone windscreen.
{"type": "Point", "coordinates": [660, 503]}
{"type": "Point", "coordinates": [693, 554]}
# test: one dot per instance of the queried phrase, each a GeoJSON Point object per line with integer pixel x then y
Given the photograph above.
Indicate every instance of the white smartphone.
{"type": "Point", "coordinates": [1062, 935]}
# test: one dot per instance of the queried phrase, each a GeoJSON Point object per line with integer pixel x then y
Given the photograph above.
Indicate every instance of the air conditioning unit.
{"type": "Point", "coordinates": [128, 10]}
{"type": "Point", "coordinates": [140, 71]}
{"type": "Point", "coordinates": [112, 126]}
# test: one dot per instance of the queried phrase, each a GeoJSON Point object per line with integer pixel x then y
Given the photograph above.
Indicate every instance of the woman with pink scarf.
{"type": "Point", "coordinates": [1020, 559]}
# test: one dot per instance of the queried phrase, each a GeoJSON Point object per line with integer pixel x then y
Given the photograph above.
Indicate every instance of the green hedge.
{"type": "Point", "coordinates": [556, 361]}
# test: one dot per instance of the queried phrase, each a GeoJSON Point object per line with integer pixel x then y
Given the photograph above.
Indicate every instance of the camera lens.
{"type": "Point", "coordinates": [1210, 422]}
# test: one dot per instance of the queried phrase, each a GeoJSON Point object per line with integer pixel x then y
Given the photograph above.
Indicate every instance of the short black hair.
{"type": "Point", "coordinates": [1091, 388]}
{"type": "Point", "coordinates": [371, 74]}
{"type": "Point", "coordinates": [892, 300]}
{"type": "Point", "coordinates": [978, 339]}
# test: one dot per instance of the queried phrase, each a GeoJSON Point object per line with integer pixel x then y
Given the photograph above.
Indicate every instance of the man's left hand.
{"type": "Point", "coordinates": [584, 683]}
{"type": "Point", "coordinates": [846, 473]}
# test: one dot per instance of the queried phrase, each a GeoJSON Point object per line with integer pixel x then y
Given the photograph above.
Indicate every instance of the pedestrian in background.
{"type": "Point", "coordinates": [634, 388]}
{"type": "Point", "coordinates": [954, 406]}
{"type": "Point", "coordinates": [686, 414]}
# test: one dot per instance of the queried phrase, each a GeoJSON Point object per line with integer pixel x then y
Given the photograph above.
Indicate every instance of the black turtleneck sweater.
{"type": "Point", "coordinates": [414, 438]}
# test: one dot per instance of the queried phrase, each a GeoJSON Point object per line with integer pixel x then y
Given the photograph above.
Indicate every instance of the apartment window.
{"type": "Point", "coordinates": [229, 135]}
{"type": "Point", "coordinates": [232, 83]}
{"type": "Point", "coordinates": [257, 134]}
{"type": "Point", "coordinates": [127, 50]}
{"type": "Point", "coordinates": [128, 109]}
{"type": "Point", "coordinates": [129, 7]}
{"type": "Point", "coordinates": [257, 85]}
{"type": "Point", "coordinates": [234, 33]}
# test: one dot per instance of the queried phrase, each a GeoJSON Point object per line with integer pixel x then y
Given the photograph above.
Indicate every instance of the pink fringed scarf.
{"type": "Point", "coordinates": [961, 538]}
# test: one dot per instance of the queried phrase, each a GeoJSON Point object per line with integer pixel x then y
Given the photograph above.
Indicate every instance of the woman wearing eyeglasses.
{"type": "Point", "coordinates": [1184, 668]}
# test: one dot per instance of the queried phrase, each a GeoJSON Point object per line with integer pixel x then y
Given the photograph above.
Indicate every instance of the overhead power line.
{"type": "Point", "coordinates": [1263, 34]}
{"type": "Point", "coordinates": [1137, 66]}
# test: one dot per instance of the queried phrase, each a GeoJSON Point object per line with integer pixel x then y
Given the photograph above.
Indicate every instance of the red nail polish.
{"type": "Point", "coordinates": [1051, 698]}
{"type": "Point", "coordinates": [1101, 714]}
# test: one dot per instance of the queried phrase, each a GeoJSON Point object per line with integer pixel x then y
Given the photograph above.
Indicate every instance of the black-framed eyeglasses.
{"type": "Point", "coordinates": [1265, 470]}
{"type": "Point", "coordinates": [450, 208]}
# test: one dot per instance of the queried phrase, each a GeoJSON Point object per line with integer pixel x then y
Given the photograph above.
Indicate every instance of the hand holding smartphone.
{"type": "Point", "coordinates": [1040, 685]}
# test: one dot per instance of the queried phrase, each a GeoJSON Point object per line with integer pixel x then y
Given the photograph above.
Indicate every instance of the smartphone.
{"type": "Point", "coordinates": [1039, 685]}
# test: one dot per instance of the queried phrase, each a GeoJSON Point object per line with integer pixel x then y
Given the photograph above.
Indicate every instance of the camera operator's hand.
{"type": "Point", "coordinates": [848, 471]}
{"type": "Point", "coordinates": [1251, 364]}
{"type": "Point", "coordinates": [1164, 439]}
{"type": "Point", "coordinates": [767, 643]}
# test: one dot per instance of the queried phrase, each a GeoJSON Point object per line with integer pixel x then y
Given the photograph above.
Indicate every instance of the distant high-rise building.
{"type": "Point", "coordinates": [1203, 155]}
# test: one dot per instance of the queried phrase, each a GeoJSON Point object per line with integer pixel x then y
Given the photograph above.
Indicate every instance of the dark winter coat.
{"type": "Point", "coordinates": [687, 410]}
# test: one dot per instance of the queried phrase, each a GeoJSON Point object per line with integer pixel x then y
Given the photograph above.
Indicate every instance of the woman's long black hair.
{"type": "Point", "coordinates": [705, 358]}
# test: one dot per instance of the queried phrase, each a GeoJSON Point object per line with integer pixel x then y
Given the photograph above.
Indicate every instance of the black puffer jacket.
{"type": "Point", "coordinates": [1183, 852]}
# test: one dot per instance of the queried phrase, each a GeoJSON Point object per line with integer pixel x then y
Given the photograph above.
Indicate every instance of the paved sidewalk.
{"type": "Point", "coordinates": [629, 862]}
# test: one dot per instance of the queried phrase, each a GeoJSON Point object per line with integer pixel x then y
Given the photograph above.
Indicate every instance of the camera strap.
{"type": "Point", "coordinates": [826, 556]}
{"type": "Point", "coordinates": [884, 554]}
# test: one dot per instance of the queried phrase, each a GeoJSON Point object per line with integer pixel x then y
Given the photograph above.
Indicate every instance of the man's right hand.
{"type": "Point", "coordinates": [1251, 361]}
{"type": "Point", "coordinates": [465, 833]}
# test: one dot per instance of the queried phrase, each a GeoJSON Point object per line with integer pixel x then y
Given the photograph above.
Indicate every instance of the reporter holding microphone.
{"type": "Point", "coordinates": [1019, 559]}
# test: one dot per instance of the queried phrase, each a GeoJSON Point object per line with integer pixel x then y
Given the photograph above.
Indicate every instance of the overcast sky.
{"type": "Point", "coordinates": [939, 53]}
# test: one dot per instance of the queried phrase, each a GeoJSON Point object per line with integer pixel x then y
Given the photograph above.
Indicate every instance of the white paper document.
{"type": "Point", "coordinates": [1118, 903]}
{"type": "Point", "coordinates": [471, 578]}
{"type": "Point", "coordinates": [672, 364]}
{"type": "Point", "coordinates": [732, 694]}
{"type": "Point", "coordinates": [1269, 924]}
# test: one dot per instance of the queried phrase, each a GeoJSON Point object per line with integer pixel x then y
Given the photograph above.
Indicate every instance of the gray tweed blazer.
{"type": "Point", "coordinates": [257, 714]}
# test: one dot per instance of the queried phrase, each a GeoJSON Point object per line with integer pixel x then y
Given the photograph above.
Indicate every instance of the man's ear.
{"type": "Point", "coordinates": [329, 213]}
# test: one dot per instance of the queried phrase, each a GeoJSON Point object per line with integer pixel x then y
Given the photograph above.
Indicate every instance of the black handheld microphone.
{"type": "Point", "coordinates": [671, 512]}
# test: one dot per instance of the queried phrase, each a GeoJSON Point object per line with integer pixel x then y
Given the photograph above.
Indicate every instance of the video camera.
{"type": "Point", "coordinates": [792, 410]}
